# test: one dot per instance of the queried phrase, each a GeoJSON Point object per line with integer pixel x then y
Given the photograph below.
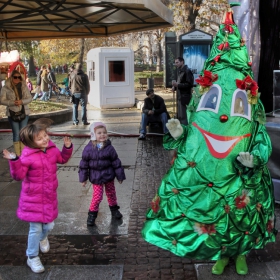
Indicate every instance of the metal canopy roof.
{"type": "Point", "coordinates": [49, 19]}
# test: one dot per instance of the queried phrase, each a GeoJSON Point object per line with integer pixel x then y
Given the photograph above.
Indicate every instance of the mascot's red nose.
{"type": "Point", "coordinates": [223, 118]}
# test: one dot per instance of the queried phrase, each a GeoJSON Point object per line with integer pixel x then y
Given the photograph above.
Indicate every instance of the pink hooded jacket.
{"type": "Point", "coordinates": [38, 197]}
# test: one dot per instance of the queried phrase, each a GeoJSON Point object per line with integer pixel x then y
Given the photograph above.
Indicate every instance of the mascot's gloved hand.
{"type": "Point", "coordinates": [175, 128]}
{"type": "Point", "coordinates": [246, 159]}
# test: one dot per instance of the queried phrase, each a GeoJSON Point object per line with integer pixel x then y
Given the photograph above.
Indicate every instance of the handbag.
{"type": "Point", "coordinates": [18, 116]}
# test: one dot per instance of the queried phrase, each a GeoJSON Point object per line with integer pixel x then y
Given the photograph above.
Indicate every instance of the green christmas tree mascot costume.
{"type": "Point", "coordinates": [216, 202]}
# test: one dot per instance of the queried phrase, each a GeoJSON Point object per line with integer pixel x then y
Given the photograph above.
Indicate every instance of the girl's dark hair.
{"type": "Point", "coordinates": [28, 133]}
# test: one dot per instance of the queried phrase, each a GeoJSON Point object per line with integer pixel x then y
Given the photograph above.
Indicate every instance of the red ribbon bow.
{"type": "Point", "coordinates": [228, 28]}
{"type": "Point", "coordinates": [248, 84]}
{"type": "Point", "coordinates": [223, 46]}
{"type": "Point", "coordinates": [217, 58]}
{"type": "Point", "coordinates": [208, 79]}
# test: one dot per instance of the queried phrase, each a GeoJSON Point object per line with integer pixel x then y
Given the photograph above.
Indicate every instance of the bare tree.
{"type": "Point", "coordinates": [159, 36]}
{"type": "Point", "coordinates": [149, 37]}
{"type": "Point", "coordinates": [82, 51]}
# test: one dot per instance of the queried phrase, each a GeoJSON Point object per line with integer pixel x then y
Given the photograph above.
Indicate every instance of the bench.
{"type": "Point", "coordinates": [142, 82]}
{"type": "Point", "coordinates": [158, 82]}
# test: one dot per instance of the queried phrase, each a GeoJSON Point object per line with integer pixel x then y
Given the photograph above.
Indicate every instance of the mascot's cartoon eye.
{"type": "Point", "coordinates": [210, 100]}
{"type": "Point", "coordinates": [239, 105]}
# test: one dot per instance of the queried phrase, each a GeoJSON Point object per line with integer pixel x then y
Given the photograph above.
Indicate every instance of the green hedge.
{"type": "Point", "coordinates": [137, 75]}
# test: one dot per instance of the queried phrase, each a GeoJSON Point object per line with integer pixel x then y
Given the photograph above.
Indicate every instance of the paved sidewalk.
{"type": "Point", "coordinates": [113, 249]}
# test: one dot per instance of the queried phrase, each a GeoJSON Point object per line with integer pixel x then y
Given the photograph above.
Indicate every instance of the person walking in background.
{"type": "Point", "coordinates": [100, 165]}
{"type": "Point", "coordinates": [16, 96]}
{"type": "Point", "coordinates": [45, 85]}
{"type": "Point", "coordinates": [154, 110]}
{"type": "Point", "coordinates": [64, 68]}
{"type": "Point", "coordinates": [29, 84]}
{"type": "Point", "coordinates": [52, 79]}
{"type": "Point", "coordinates": [38, 82]}
{"type": "Point", "coordinates": [183, 86]}
{"type": "Point", "coordinates": [37, 169]}
{"type": "Point", "coordinates": [71, 68]}
{"type": "Point", "coordinates": [79, 86]}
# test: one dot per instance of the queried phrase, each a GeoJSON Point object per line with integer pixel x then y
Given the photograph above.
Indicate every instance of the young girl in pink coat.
{"type": "Point", "coordinates": [37, 167]}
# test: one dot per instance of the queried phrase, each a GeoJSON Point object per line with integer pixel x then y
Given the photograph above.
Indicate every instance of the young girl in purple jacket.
{"type": "Point", "coordinates": [37, 167]}
{"type": "Point", "coordinates": [100, 165]}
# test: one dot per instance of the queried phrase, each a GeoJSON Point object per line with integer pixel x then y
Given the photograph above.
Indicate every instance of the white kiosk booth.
{"type": "Point", "coordinates": [111, 77]}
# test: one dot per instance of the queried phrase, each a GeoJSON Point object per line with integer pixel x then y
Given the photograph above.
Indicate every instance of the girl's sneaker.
{"type": "Point", "coordinates": [45, 245]}
{"type": "Point", "coordinates": [35, 265]}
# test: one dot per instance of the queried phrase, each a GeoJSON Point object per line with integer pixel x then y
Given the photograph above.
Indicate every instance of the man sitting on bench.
{"type": "Point", "coordinates": [154, 110]}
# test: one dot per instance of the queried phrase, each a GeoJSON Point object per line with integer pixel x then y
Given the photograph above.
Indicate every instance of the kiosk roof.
{"type": "Point", "coordinates": [50, 19]}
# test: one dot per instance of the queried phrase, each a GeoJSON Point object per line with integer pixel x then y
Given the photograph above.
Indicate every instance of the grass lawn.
{"type": "Point", "coordinates": [37, 107]}
{"type": "Point", "coordinates": [170, 106]}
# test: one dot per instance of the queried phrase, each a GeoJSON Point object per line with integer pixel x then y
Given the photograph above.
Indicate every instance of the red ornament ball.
{"type": "Point", "coordinates": [223, 118]}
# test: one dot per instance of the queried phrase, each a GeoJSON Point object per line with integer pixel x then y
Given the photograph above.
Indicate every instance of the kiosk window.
{"type": "Point", "coordinates": [116, 71]}
{"type": "Point", "coordinates": [91, 73]}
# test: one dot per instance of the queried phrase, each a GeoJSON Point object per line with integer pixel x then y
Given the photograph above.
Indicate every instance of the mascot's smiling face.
{"type": "Point", "coordinates": [223, 117]}
{"type": "Point", "coordinates": [221, 145]}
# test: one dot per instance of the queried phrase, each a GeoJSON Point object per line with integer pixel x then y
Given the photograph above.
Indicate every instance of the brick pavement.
{"type": "Point", "coordinates": [141, 259]}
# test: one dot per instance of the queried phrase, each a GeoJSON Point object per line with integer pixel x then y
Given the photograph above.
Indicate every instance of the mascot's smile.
{"type": "Point", "coordinates": [219, 146]}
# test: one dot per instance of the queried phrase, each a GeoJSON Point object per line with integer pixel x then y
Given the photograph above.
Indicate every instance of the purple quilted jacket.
{"type": "Point", "coordinates": [100, 166]}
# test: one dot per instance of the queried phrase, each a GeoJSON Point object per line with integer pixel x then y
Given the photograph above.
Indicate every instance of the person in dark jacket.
{"type": "Point", "coordinates": [79, 86]}
{"type": "Point", "coordinates": [154, 110]}
{"type": "Point", "coordinates": [52, 79]}
{"type": "Point", "coordinates": [100, 165]}
{"type": "Point", "coordinates": [183, 86]}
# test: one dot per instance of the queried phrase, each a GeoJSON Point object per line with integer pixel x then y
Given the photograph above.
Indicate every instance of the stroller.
{"type": "Point", "coordinates": [66, 92]}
